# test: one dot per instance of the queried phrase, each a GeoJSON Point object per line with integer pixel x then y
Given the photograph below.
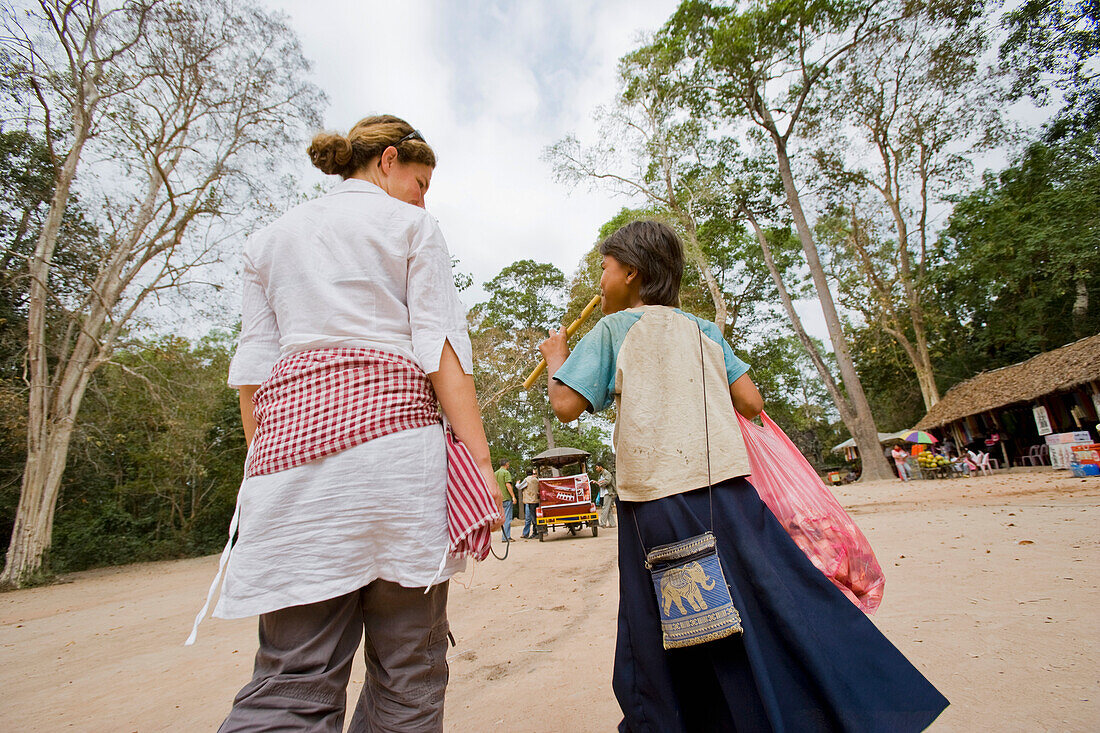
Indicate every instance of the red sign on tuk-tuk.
{"type": "Point", "coordinates": [565, 501]}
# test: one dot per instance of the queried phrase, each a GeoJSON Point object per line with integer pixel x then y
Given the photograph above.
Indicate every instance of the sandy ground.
{"type": "Point", "coordinates": [993, 586]}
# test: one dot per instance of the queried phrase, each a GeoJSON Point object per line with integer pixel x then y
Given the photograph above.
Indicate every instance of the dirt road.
{"type": "Point", "coordinates": [993, 586]}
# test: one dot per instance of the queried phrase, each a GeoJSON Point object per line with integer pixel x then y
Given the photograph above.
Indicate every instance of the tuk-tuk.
{"type": "Point", "coordinates": [564, 501]}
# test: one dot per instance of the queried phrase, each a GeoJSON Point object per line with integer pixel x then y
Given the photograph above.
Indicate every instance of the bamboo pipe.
{"type": "Point", "coordinates": [572, 329]}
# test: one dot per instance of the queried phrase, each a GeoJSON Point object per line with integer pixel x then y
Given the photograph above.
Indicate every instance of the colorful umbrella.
{"type": "Point", "coordinates": [919, 436]}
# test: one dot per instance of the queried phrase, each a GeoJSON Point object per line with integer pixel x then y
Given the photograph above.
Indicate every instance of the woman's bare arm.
{"type": "Point", "coordinates": [454, 389]}
{"type": "Point", "coordinates": [248, 420]}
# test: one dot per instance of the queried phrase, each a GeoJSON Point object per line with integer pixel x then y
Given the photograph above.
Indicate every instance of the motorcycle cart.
{"type": "Point", "coordinates": [565, 502]}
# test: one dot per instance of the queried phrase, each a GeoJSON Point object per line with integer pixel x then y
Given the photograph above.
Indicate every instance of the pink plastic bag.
{"type": "Point", "coordinates": [810, 513]}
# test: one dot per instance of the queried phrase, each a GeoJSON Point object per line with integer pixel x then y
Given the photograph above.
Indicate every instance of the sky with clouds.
{"type": "Point", "coordinates": [490, 84]}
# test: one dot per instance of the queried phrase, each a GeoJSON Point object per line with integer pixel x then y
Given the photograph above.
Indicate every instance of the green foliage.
{"type": "Point", "coordinates": [1020, 270]}
{"type": "Point", "coordinates": [525, 295]}
{"type": "Point", "coordinates": [463, 280]}
{"type": "Point", "coordinates": [1049, 45]}
{"type": "Point", "coordinates": [154, 470]}
{"type": "Point", "coordinates": [525, 299]}
{"type": "Point", "coordinates": [13, 451]}
{"type": "Point", "coordinates": [26, 177]}
{"type": "Point", "coordinates": [794, 395]}
{"type": "Point", "coordinates": [888, 380]}
{"type": "Point", "coordinates": [589, 434]}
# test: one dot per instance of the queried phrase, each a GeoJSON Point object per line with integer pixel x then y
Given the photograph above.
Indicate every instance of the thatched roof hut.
{"type": "Point", "coordinates": [1059, 370]}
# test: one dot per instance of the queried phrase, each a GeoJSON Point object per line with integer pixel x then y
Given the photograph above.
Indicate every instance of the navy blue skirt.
{"type": "Point", "coordinates": [808, 659]}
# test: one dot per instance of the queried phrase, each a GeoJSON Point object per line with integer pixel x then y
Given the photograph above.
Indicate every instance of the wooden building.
{"type": "Point", "coordinates": [1060, 387]}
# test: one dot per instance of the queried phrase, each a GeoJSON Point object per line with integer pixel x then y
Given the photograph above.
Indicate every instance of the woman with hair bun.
{"type": "Point", "coordinates": [350, 320]}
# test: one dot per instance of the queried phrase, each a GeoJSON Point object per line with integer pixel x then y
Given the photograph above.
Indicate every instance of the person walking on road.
{"type": "Point", "coordinates": [530, 495]}
{"type": "Point", "coordinates": [507, 496]}
{"type": "Point", "coordinates": [351, 331]}
{"type": "Point", "coordinates": [796, 654]}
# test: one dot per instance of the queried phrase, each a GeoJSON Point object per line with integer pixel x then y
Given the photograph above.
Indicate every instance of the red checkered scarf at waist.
{"type": "Point", "coordinates": [323, 401]}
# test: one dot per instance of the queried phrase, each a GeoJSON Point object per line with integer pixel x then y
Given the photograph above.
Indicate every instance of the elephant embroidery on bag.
{"type": "Point", "coordinates": [682, 583]}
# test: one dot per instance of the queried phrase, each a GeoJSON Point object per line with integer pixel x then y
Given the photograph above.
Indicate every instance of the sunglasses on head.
{"type": "Point", "coordinates": [414, 135]}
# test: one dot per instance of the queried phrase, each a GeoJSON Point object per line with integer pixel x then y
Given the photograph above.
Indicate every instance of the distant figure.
{"type": "Point", "coordinates": [507, 497]}
{"type": "Point", "coordinates": [949, 448]}
{"type": "Point", "coordinates": [900, 456]}
{"type": "Point", "coordinates": [606, 482]}
{"type": "Point", "coordinates": [530, 489]}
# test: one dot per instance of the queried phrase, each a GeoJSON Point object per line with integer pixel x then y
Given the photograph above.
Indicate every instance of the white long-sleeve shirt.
{"type": "Point", "coordinates": [354, 268]}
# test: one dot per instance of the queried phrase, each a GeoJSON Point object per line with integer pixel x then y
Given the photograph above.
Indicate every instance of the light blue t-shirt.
{"type": "Point", "coordinates": [676, 428]}
{"type": "Point", "coordinates": [590, 368]}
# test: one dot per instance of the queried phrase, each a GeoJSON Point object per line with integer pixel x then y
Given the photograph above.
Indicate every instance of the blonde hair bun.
{"type": "Point", "coordinates": [344, 155]}
{"type": "Point", "coordinates": [330, 152]}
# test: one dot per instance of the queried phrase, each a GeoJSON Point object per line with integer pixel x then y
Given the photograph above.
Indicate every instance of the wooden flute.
{"type": "Point", "coordinates": [572, 329]}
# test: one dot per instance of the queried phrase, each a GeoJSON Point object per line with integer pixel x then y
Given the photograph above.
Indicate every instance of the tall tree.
{"type": "Point", "coordinates": [650, 151]}
{"type": "Point", "coordinates": [763, 63]}
{"type": "Point", "coordinates": [896, 113]}
{"type": "Point", "coordinates": [26, 177]}
{"type": "Point", "coordinates": [526, 299]}
{"type": "Point", "coordinates": [187, 112]}
{"type": "Point", "coordinates": [752, 195]}
{"type": "Point", "coordinates": [796, 398]}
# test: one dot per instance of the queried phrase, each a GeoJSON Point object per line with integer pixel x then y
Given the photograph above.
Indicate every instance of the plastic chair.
{"type": "Point", "coordinates": [981, 460]}
{"type": "Point", "coordinates": [1034, 456]}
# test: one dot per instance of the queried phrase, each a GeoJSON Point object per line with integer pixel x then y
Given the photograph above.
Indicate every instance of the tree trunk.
{"type": "Point", "coordinates": [886, 314]}
{"type": "Point", "coordinates": [33, 529]}
{"type": "Point", "coordinates": [847, 416]}
{"type": "Point", "coordinates": [920, 362]}
{"type": "Point", "coordinates": [1080, 307]}
{"type": "Point", "coordinates": [695, 254]}
{"type": "Point", "coordinates": [721, 310]}
{"type": "Point", "coordinates": [47, 453]}
{"type": "Point", "coordinates": [864, 430]}
{"type": "Point", "coordinates": [548, 424]}
{"type": "Point", "coordinates": [919, 356]}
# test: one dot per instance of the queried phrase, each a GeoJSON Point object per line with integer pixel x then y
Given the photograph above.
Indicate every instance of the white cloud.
{"type": "Point", "coordinates": [490, 84]}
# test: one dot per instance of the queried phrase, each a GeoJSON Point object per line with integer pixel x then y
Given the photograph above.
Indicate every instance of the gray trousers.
{"type": "Point", "coordinates": [607, 511]}
{"type": "Point", "coordinates": [304, 662]}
